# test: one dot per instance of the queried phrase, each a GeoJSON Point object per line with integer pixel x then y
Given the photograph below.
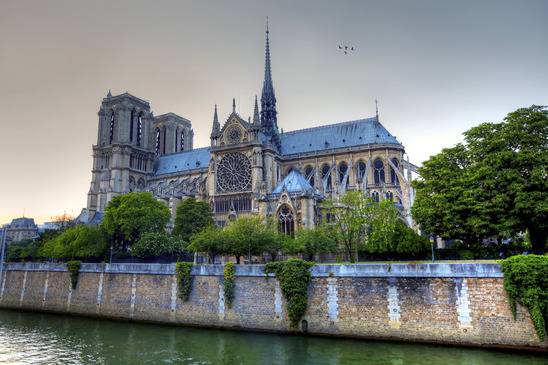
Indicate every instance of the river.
{"type": "Point", "coordinates": [32, 338]}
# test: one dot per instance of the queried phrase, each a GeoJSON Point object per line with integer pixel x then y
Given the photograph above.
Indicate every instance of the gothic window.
{"type": "Point", "coordinates": [393, 175]}
{"type": "Point", "coordinates": [375, 196]}
{"type": "Point", "coordinates": [234, 173]}
{"type": "Point", "coordinates": [131, 121]}
{"type": "Point", "coordinates": [326, 176]}
{"type": "Point", "coordinates": [176, 144]}
{"type": "Point", "coordinates": [131, 183]}
{"type": "Point", "coordinates": [361, 171]}
{"type": "Point", "coordinates": [234, 135]}
{"type": "Point", "coordinates": [111, 129]}
{"type": "Point", "coordinates": [182, 140]}
{"type": "Point", "coordinates": [286, 221]}
{"type": "Point", "coordinates": [343, 169]}
{"type": "Point", "coordinates": [389, 196]}
{"type": "Point", "coordinates": [141, 184]}
{"type": "Point", "coordinates": [157, 141]}
{"type": "Point", "coordinates": [379, 171]}
{"type": "Point", "coordinates": [139, 128]}
{"type": "Point", "coordinates": [309, 174]}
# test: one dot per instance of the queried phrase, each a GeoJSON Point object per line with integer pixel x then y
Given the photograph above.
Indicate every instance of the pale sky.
{"type": "Point", "coordinates": [437, 67]}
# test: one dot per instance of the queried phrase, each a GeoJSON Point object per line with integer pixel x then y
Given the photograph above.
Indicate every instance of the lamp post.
{"type": "Point", "coordinates": [433, 240]}
{"type": "Point", "coordinates": [2, 253]}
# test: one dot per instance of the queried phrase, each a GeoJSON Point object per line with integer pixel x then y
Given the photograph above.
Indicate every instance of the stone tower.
{"type": "Point", "coordinates": [125, 149]}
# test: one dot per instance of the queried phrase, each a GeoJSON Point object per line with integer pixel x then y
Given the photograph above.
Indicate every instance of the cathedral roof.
{"type": "Point", "coordinates": [339, 135]}
{"type": "Point", "coordinates": [183, 161]}
{"type": "Point", "coordinates": [294, 182]}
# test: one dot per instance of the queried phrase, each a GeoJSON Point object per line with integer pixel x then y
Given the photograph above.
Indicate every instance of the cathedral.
{"type": "Point", "coordinates": [250, 167]}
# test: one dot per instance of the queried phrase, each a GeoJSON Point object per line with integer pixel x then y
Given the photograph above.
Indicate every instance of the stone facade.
{"type": "Point", "coordinates": [454, 304]}
{"type": "Point", "coordinates": [251, 166]}
{"type": "Point", "coordinates": [19, 229]}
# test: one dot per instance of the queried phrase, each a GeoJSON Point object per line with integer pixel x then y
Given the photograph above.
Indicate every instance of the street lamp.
{"type": "Point", "coordinates": [433, 240]}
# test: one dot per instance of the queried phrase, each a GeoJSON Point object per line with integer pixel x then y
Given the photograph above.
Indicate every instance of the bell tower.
{"type": "Point", "coordinates": [125, 149]}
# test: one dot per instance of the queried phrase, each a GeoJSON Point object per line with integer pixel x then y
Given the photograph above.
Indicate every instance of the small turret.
{"type": "Point", "coordinates": [256, 117]}
{"type": "Point", "coordinates": [216, 126]}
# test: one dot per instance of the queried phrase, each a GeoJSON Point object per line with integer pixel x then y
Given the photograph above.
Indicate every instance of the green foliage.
{"type": "Point", "coordinates": [228, 282]}
{"type": "Point", "coordinates": [153, 244]}
{"type": "Point", "coordinates": [129, 216]}
{"type": "Point", "coordinates": [77, 242]}
{"type": "Point", "coordinates": [73, 267]}
{"type": "Point", "coordinates": [313, 241]}
{"type": "Point", "coordinates": [24, 250]}
{"type": "Point", "coordinates": [211, 240]}
{"type": "Point", "coordinates": [192, 217]}
{"type": "Point", "coordinates": [526, 282]}
{"type": "Point", "coordinates": [294, 277]}
{"type": "Point", "coordinates": [184, 279]}
{"type": "Point", "coordinates": [250, 236]}
{"type": "Point", "coordinates": [492, 185]}
{"type": "Point", "coordinates": [381, 223]}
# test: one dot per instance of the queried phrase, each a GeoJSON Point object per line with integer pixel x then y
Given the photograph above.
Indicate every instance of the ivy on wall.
{"type": "Point", "coordinates": [294, 277]}
{"type": "Point", "coordinates": [228, 284]}
{"type": "Point", "coordinates": [184, 279]}
{"type": "Point", "coordinates": [526, 282]}
{"type": "Point", "coordinates": [73, 267]}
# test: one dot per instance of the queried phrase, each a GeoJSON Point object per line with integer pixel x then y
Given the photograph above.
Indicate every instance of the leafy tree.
{"type": "Point", "coordinates": [129, 216]}
{"type": "Point", "coordinates": [211, 240]}
{"type": "Point", "coordinates": [494, 185]}
{"type": "Point", "coordinates": [381, 223]}
{"type": "Point", "coordinates": [407, 243]}
{"type": "Point", "coordinates": [23, 250]}
{"type": "Point", "coordinates": [192, 216]}
{"type": "Point", "coordinates": [250, 236]}
{"type": "Point", "coordinates": [315, 240]}
{"type": "Point", "coordinates": [152, 244]}
{"type": "Point", "coordinates": [78, 242]}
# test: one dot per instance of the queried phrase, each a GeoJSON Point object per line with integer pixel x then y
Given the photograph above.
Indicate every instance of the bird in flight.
{"type": "Point", "coordinates": [346, 49]}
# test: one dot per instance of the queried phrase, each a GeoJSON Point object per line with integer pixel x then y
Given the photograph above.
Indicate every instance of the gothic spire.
{"type": "Point", "coordinates": [256, 117]}
{"type": "Point", "coordinates": [269, 122]}
{"type": "Point", "coordinates": [216, 126]}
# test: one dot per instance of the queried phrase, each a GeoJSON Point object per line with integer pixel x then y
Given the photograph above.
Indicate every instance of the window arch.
{"type": "Point", "coordinates": [375, 196]}
{"type": "Point", "coordinates": [389, 196]}
{"type": "Point", "coordinates": [309, 174]}
{"type": "Point", "coordinates": [379, 171]}
{"type": "Point", "coordinates": [360, 171]}
{"type": "Point", "coordinates": [111, 128]}
{"type": "Point", "coordinates": [286, 220]}
{"type": "Point", "coordinates": [343, 169]}
{"type": "Point", "coordinates": [326, 176]}
{"type": "Point", "coordinates": [139, 128]}
{"type": "Point", "coordinates": [393, 175]}
{"type": "Point", "coordinates": [131, 121]}
{"type": "Point", "coordinates": [131, 184]}
{"type": "Point", "coordinates": [157, 141]}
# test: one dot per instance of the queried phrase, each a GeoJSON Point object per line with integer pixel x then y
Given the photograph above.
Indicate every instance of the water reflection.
{"type": "Point", "coordinates": [51, 339]}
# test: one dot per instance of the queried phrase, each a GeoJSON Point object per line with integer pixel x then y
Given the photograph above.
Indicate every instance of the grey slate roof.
{"type": "Point", "coordinates": [183, 161]}
{"type": "Point", "coordinates": [294, 182]}
{"type": "Point", "coordinates": [340, 135]}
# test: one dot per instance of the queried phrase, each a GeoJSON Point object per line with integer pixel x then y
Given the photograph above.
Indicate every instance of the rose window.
{"type": "Point", "coordinates": [234, 173]}
{"type": "Point", "coordinates": [234, 135]}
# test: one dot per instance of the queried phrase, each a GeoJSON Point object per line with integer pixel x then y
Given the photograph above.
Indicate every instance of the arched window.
{"type": "Point", "coordinates": [131, 121]}
{"type": "Point", "coordinates": [131, 184]}
{"type": "Point", "coordinates": [111, 129]}
{"type": "Point", "coordinates": [375, 196]}
{"type": "Point", "coordinates": [393, 175]}
{"type": "Point", "coordinates": [326, 177]}
{"type": "Point", "coordinates": [309, 174]}
{"type": "Point", "coordinates": [343, 170]}
{"type": "Point", "coordinates": [379, 171]}
{"type": "Point", "coordinates": [389, 196]}
{"type": "Point", "coordinates": [139, 128]}
{"type": "Point", "coordinates": [182, 140]}
{"type": "Point", "coordinates": [361, 171]}
{"type": "Point", "coordinates": [286, 221]}
{"type": "Point", "coordinates": [157, 141]}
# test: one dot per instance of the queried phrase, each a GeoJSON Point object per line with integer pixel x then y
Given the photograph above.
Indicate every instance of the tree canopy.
{"type": "Point", "coordinates": [493, 185]}
{"type": "Point", "coordinates": [191, 217]}
{"type": "Point", "coordinates": [78, 242]}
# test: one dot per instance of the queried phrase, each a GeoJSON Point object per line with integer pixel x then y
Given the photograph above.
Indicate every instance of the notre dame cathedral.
{"type": "Point", "coordinates": [250, 168]}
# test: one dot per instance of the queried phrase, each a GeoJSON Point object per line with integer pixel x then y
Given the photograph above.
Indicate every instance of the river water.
{"type": "Point", "coordinates": [31, 338]}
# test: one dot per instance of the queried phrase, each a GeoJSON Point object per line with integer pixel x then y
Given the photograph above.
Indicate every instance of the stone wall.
{"type": "Point", "coordinates": [462, 304]}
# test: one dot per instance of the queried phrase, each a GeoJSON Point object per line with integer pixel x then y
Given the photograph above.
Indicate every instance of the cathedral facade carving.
{"type": "Point", "coordinates": [250, 167]}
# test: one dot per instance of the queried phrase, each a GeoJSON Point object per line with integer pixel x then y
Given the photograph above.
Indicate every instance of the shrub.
{"type": "Point", "coordinates": [294, 276]}
{"type": "Point", "coordinates": [526, 283]}
{"type": "Point", "coordinates": [157, 244]}
{"type": "Point", "coordinates": [78, 242]}
{"type": "Point", "coordinates": [229, 283]}
{"type": "Point", "coordinates": [73, 268]}
{"type": "Point", "coordinates": [184, 279]}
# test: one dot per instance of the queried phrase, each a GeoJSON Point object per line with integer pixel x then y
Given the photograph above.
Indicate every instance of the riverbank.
{"type": "Point", "coordinates": [458, 304]}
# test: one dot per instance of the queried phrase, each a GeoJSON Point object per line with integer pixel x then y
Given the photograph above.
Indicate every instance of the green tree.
{"type": "Point", "coordinates": [153, 244]}
{"type": "Point", "coordinates": [211, 240]}
{"type": "Point", "coordinates": [129, 216]}
{"type": "Point", "coordinates": [314, 241]}
{"type": "Point", "coordinates": [192, 216]}
{"type": "Point", "coordinates": [23, 250]}
{"type": "Point", "coordinates": [77, 242]}
{"type": "Point", "coordinates": [381, 222]}
{"type": "Point", "coordinates": [494, 185]}
{"type": "Point", "coordinates": [248, 236]}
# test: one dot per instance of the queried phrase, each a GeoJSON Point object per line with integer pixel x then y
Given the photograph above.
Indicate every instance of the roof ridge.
{"type": "Point", "coordinates": [372, 119]}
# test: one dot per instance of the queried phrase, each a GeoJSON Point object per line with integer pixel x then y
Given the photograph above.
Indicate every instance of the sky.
{"type": "Point", "coordinates": [437, 67]}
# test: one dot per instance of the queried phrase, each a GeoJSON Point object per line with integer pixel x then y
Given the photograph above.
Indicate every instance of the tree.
{"type": "Point", "coordinates": [381, 223]}
{"type": "Point", "coordinates": [211, 240]}
{"type": "Point", "coordinates": [153, 244]}
{"type": "Point", "coordinates": [192, 216]}
{"type": "Point", "coordinates": [129, 216]}
{"type": "Point", "coordinates": [494, 185]}
{"type": "Point", "coordinates": [314, 241]}
{"type": "Point", "coordinates": [349, 221]}
{"type": "Point", "coordinates": [78, 242]}
{"type": "Point", "coordinates": [250, 236]}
